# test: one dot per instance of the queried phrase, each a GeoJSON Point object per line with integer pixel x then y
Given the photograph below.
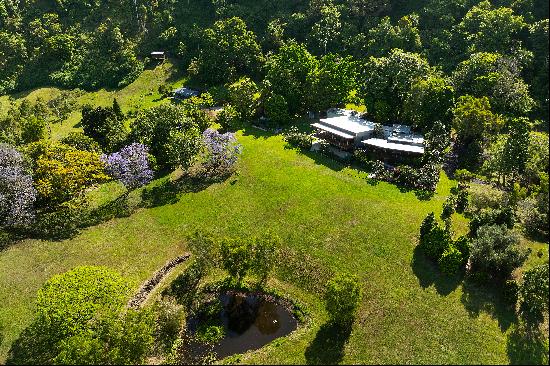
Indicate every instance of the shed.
{"type": "Point", "coordinates": [158, 55]}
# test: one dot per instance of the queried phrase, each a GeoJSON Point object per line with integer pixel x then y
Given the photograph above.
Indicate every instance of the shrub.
{"type": "Point", "coordinates": [80, 319]}
{"type": "Point", "coordinates": [463, 244]}
{"type": "Point", "coordinates": [448, 208]}
{"type": "Point", "coordinates": [276, 109]}
{"type": "Point", "coordinates": [81, 142]}
{"type": "Point", "coordinates": [463, 175]}
{"type": "Point", "coordinates": [495, 253]}
{"type": "Point", "coordinates": [461, 200]}
{"type": "Point", "coordinates": [61, 172]}
{"type": "Point", "coordinates": [299, 139]}
{"type": "Point", "coordinates": [428, 224]}
{"type": "Point", "coordinates": [484, 196]}
{"type": "Point", "coordinates": [221, 152]}
{"type": "Point", "coordinates": [237, 257]}
{"type": "Point", "coordinates": [244, 96]}
{"type": "Point", "coordinates": [170, 320]}
{"type": "Point", "coordinates": [228, 118]}
{"type": "Point", "coordinates": [503, 216]}
{"type": "Point", "coordinates": [342, 298]}
{"type": "Point", "coordinates": [130, 166]}
{"type": "Point", "coordinates": [105, 126]}
{"type": "Point", "coordinates": [451, 260]}
{"type": "Point", "coordinates": [534, 294]}
{"type": "Point", "coordinates": [33, 129]}
{"type": "Point", "coordinates": [435, 242]}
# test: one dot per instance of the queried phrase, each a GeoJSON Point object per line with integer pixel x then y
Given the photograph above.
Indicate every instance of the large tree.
{"type": "Point", "coordinates": [227, 50]}
{"type": "Point", "coordinates": [388, 80]}
{"type": "Point", "coordinates": [288, 71]}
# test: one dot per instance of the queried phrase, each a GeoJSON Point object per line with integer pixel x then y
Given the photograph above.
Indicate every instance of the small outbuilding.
{"type": "Point", "coordinates": [158, 55]}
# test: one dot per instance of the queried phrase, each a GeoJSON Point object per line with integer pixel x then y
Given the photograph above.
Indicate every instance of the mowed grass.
{"type": "Point", "coordinates": [409, 313]}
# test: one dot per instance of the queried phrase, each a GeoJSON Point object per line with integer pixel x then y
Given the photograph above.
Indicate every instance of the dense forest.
{"type": "Point", "coordinates": [497, 49]}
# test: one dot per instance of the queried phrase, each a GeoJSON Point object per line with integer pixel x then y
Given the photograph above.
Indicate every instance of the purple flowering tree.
{"type": "Point", "coordinates": [221, 152]}
{"type": "Point", "coordinates": [17, 193]}
{"type": "Point", "coordinates": [129, 165]}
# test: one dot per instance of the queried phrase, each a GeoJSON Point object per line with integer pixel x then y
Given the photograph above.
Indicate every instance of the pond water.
{"type": "Point", "coordinates": [250, 322]}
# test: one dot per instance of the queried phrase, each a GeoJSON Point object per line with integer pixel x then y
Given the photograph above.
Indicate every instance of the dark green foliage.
{"type": "Point", "coordinates": [461, 200]}
{"type": "Point", "coordinates": [504, 216]}
{"type": "Point", "coordinates": [451, 260]}
{"type": "Point", "coordinates": [428, 224]}
{"type": "Point", "coordinates": [228, 50]}
{"type": "Point", "coordinates": [435, 242]}
{"type": "Point", "coordinates": [173, 137]}
{"type": "Point", "coordinates": [510, 292]}
{"type": "Point", "coordinates": [81, 142]}
{"type": "Point", "coordinates": [495, 253]}
{"type": "Point", "coordinates": [276, 109]}
{"type": "Point", "coordinates": [463, 244]}
{"type": "Point", "coordinates": [534, 294]}
{"type": "Point", "coordinates": [237, 257]}
{"type": "Point", "coordinates": [288, 72]}
{"type": "Point", "coordinates": [229, 118]}
{"type": "Point", "coordinates": [449, 207]}
{"type": "Point", "coordinates": [342, 298]}
{"type": "Point", "coordinates": [105, 126]}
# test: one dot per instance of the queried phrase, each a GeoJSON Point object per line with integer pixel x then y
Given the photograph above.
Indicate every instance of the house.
{"type": "Point", "coordinates": [158, 55]}
{"type": "Point", "coordinates": [343, 128]}
{"type": "Point", "coordinates": [346, 130]}
{"type": "Point", "coordinates": [184, 93]}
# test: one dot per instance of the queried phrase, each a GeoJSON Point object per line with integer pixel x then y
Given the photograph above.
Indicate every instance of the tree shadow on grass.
{"type": "Point", "coordinates": [478, 298]}
{"type": "Point", "coordinates": [429, 274]}
{"type": "Point", "coordinates": [257, 132]}
{"type": "Point", "coordinates": [527, 346]}
{"type": "Point", "coordinates": [169, 190]}
{"type": "Point", "coordinates": [328, 346]}
{"type": "Point", "coordinates": [33, 347]}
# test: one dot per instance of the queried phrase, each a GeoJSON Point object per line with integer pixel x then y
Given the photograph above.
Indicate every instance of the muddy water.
{"type": "Point", "coordinates": [250, 322]}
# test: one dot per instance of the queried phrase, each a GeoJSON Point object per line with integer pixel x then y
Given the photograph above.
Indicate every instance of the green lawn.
{"type": "Point", "coordinates": [409, 313]}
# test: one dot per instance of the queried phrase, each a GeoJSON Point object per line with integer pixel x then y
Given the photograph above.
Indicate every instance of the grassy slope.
{"type": "Point", "coordinates": [409, 312]}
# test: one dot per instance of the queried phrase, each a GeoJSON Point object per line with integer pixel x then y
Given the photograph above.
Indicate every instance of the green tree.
{"type": "Point", "coordinates": [105, 126]}
{"type": "Point", "coordinates": [515, 152]}
{"type": "Point", "coordinates": [287, 73]}
{"type": "Point", "coordinates": [332, 82]}
{"type": "Point", "coordinates": [276, 109]}
{"type": "Point", "coordinates": [244, 96]}
{"type": "Point", "coordinates": [429, 100]}
{"type": "Point", "coordinates": [237, 257]}
{"type": "Point", "coordinates": [342, 298]}
{"type": "Point", "coordinates": [327, 29]}
{"type": "Point", "coordinates": [473, 118]}
{"type": "Point", "coordinates": [534, 294]}
{"type": "Point", "coordinates": [388, 80]}
{"type": "Point", "coordinates": [13, 55]}
{"type": "Point", "coordinates": [228, 50]}
{"type": "Point", "coordinates": [489, 29]}
{"type": "Point", "coordinates": [496, 77]}
{"type": "Point", "coordinates": [495, 253]}
{"type": "Point", "coordinates": [385, 37]}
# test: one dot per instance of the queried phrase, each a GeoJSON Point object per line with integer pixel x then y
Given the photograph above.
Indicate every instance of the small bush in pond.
{"type": "Point", "coordinates": [209, 333]}
{"type": "Point", "coordinates": [299, 139]}
{"type": "Point", "coordinates": [342, 298]}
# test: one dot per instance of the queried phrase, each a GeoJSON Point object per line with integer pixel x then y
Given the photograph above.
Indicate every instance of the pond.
{"type": "Point", "coordinates": [250, 321]}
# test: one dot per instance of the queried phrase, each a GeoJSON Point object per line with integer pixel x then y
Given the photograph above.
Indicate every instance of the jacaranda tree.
{"type": "Point", "coordinates": [17, 194]}
{"type": "Point", "coordinates": [130, 166]}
